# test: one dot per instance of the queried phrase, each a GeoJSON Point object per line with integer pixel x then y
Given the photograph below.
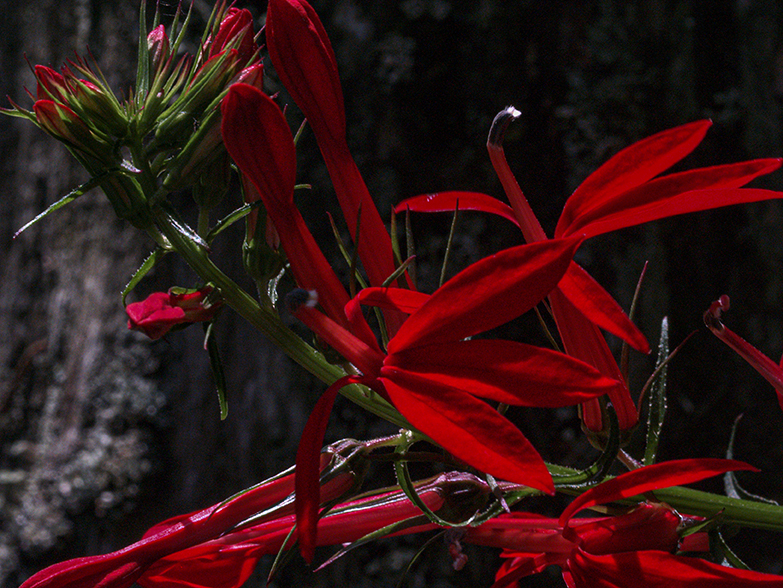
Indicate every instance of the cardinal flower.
{"type": "Point", "coordinates": [227, 561]}
{"type": "Point", "coordinates": [432, 373]}
{"type": "Point", "coordinates": [637, 548]}
{"type": "Point", "coordinates": [623, 192]}
{"type": "Point", "coordinates": [303, 58]}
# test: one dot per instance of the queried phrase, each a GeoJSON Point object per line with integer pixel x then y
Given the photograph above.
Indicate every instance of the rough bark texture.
{"type": "Point", "coordinates": [103, 433]}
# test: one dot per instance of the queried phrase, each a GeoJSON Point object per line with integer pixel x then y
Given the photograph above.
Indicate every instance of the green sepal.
{"type": "Point", "coordinates": [143, 66]}
{"type": "Point", "coordinates": [449, 243]}
{"type": "Point", "coordinates": [152, 259]}
{"type": "Point", "coordinates": [656, 406]}
{"type": "Point", "coordinates": [721, 551]}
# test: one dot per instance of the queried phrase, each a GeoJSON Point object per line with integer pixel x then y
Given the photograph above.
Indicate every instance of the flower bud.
{"type": "Point", "coordinates": [51, 85]}
{"type": "Point", "coordinates": [159, 47]}
{"type": "Point", "coordinates": [162, 311]}
{"type": "Point", "coordinates": [235, 32]}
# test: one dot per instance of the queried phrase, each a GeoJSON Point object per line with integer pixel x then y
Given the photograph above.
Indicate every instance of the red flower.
{"type": "Point", "coordinates": [304, 60]}
{"type": "Point", "coordinates": [623, 192]}
{"type": "Point", "coordinates": [629, 550]}
{"type": "Point", "coordinates": [259, 140]}
{"type": "Point", "coordinates": [227, 561]}
{"type": "Point", "coordinates": [161, 311]}
{"type": "Point", "coordinates": [432, 375]}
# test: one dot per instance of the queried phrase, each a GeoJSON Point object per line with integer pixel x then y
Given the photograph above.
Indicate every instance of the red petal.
{"type": "Point", "coordinates": [632, 167]}
{"type": "Point", "coordinates": [449, 201]}
{"type": "Point", "coordinates": [471, 430]}
{"type": "Point", "coordinates": [487, 294]}
{"type": "Point", "coordinates": [694, 201]}
{"type": "Point", "coordinates": [303, 58]}
{"type": "Point", "coordinates": [401, 299]}
{"type": "Point", "coordinates": [367, 357]}
{"type": "Point", "coordinates": [259, 140]}
{"type": "Point", "coordinates": [229, 568]}
{"type": "Point", "coordinates": [505, 371]}
{"type": "Point", "coordinates": [599, 307]}
{"type": "Point", "coordinates": [653, 477]}
{"type": "Point", "coordinates": [626, 208]}
{"type": "Point", "coordinates": [308, 456]}
{"type": "Point", "coordinates": [658, 568]}
{"type": "Point", "coordinates": [582, 339]}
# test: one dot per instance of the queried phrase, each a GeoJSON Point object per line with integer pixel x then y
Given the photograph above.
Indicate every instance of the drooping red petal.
{"type": "Point", "coordinates": [659, 568]}
{"type": "Point", "coordinates": [308, 488]}
{"type": "Point", "coordinates": [505, 371]}
{"type": "Point", "coordinates": [259, 140]}
{"type": "Point", "coordinates": [487, 294]}
{"type": "Point", "coordinates": [303, 58]}
{"type": "Point", "coordinates": [652, 477]}
{"type": "Point", "coordinates": [598, 306]}
{"type": "Point", "coordinates": [669, 189]}
{"type": "Point", "coordinates": [632, 167]}
{"type": "Point", "coordinates": [694, 201]}
{"type": "Point", "coordinates": [469, 429]}
{"type": "Point", "coordinates": [449, 201]}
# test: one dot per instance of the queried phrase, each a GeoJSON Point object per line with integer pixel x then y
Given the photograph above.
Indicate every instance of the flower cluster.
{"type": "Point", "coordinates": [428, 362]}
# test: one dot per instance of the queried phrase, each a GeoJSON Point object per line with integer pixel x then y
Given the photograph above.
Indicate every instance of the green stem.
{"type": "Point", "coordinates": [268, 322]}
{"type": "Point", "coordinates": [746, 513]}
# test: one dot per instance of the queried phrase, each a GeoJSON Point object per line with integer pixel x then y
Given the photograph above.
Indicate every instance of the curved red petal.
{"type": "Point", "coordinates": [668, 189]}
{"type": "Point", "coordinates": [505, 371]}
{"type": "Point", "coordinates": [471, 430]}
{"type": "Point", "coordinates": [659, 568]}
{"type": "Point", "coordinates": [598, 306]}
{"type": "Point", "coordinates": [487, 294]}
{"type": "Point", "coordinates": [450, 201]}
{"type": "Point", "coordinates": [632, 167]}
{"type": "Point", "coordinates": [404, 300]}
{"type": "Point", "coordinates": [653, 477]}
{"type": "Point", "coordinates": [686, 202]}
{"type": "Point", "coordinates": [308, 459]}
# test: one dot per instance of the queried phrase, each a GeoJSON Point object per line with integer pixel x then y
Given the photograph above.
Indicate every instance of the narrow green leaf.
{"type": "Point", "coordinates": [656, 407]}
{"type": "Point", "coordinates": [182, 227]}
{"type": "Point", "coordinates": [449, 244]}
{"type": "Point", "coordinates": [68, 198]}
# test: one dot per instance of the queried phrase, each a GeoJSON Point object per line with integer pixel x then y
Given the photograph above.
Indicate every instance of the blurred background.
{"type": "Point", "coordinates": [104, 433]}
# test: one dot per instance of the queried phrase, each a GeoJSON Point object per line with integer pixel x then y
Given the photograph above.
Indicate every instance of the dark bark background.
{"type": "Point", "coordinates": [103, 433]}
